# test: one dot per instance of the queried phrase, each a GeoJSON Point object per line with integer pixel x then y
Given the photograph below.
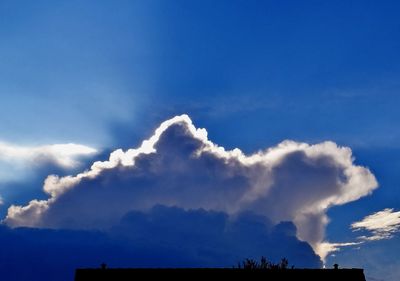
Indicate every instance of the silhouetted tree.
{"type": "Point", "coordinates": [264, 264]}
{"type": "Point", "coordinates": [284, 263]}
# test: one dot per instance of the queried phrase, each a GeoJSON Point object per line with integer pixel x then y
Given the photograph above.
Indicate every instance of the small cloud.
{"type": "Point", "coordinates": [63, 155]}
{"type": "Point", "coordinates": [22, 163]}
{"type": "Point", "coordinates": [326, 248]}
{"type": "Point", "coordinates": [382, 225]}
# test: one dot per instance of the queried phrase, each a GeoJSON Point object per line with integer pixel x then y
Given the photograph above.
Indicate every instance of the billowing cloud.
{"type": "Point", "coordinates": [382, 225]}
{"type": "Point", "coordinates": [64, 155]}
{"type": "Point", "coordinates": [179, 166]}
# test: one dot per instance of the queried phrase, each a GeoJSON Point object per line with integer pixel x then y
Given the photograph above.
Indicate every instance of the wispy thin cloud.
{"type": "Point", "coordinates": [64, 155]}
{"type": "Point", "coordinates": [326, 248]}
{"type": "Point", "coordinates": [382, 225]}
{"type": "Point", "coordinates": [20, 162]}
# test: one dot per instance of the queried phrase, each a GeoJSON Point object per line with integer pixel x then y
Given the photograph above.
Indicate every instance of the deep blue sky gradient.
{"type": "Point", "coordinates": [106, 73]}
{"type": "Point", "coordinates": [308, 71]}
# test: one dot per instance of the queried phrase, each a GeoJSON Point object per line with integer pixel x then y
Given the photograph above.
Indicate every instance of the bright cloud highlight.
{"type": "Point", "coordinates": [179, 166]}
{"type": "Point", "coordinates": [64, 155]}
{"type": "Point", "coordinates": [383, 225]}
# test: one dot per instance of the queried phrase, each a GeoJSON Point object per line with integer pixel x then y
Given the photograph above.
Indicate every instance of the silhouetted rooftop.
{"type": "Point", "coordinates": [125, 274]}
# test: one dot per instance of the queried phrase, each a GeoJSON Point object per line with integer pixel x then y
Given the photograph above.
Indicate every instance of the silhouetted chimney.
{"type": "Point", "coordinates": [336, 266]}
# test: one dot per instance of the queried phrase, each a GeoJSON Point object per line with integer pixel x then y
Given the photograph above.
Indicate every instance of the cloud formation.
{"type": "Point", "coordinates": [179, 166]}
{"type": "Point", "coordinates": [380, 225]}
{"type": "Point", "coordinates": [326, 248]}
{"type": "Point", "coordinates": [63, 155]}
{"type": "Point", "coordinates": [383, 225]}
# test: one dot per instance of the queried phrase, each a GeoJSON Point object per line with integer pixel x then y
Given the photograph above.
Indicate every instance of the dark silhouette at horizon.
{"type": "Point", "coordinates": [247, 270]}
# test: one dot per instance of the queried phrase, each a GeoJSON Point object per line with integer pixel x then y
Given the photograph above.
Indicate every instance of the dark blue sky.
{"type": "Point", "coordinates": [105, 74]}
{"type": "Point", "coordinates": [309, 71]}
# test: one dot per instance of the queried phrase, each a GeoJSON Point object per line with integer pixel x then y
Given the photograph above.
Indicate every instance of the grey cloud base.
{"type": "Point", "coordinates": [179, 166]}
{"type": "Point", "coordinates": [160, 237]}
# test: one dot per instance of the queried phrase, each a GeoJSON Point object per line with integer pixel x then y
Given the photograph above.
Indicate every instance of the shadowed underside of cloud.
{"type": "Point", "coordinates": [179, 166]}
{"type": "Point", "coordinates": [160, 237]}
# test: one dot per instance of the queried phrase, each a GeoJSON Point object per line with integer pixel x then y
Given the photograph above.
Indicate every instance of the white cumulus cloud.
{"type": "Point", "coordinates": [179, 166]}
{"type": "Point", "coordinates": [382, 225]}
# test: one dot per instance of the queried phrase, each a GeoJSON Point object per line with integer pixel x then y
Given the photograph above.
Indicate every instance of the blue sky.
{"type": "Point", "coordinates": [104, 74]}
